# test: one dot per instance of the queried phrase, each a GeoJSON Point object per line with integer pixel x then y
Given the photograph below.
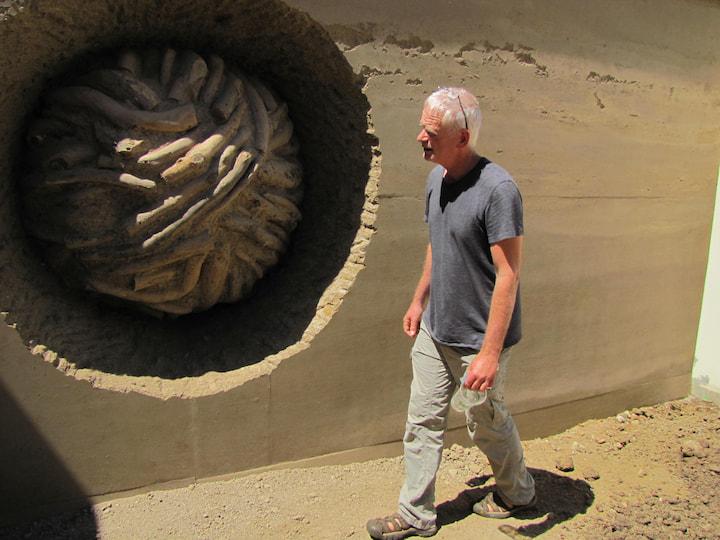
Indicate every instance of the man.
{"type": "Point", "coordinates": [472, 318]}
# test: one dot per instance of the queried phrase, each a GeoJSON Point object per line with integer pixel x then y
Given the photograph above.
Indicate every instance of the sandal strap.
{"type": "Point", "coordinates": [394, 523]}
{"type": "Point", "coordinates": [492, 504]}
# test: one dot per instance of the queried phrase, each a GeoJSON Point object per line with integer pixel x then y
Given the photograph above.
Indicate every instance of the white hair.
{"type": "Point", "coordinates": [458, 109]}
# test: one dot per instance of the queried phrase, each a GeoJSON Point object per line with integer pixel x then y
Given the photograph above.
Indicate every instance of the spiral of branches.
{"type": "Point", "coordinates": [165, 179]}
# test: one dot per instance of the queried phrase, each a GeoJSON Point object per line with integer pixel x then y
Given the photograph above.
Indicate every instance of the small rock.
{"type": "Point", "coordinates": [565, 464]}
{"type": "Point", "coordinates": [620, 418]}
{"type": "Point", "coordinates": [591, 474]}
{"type": "Point", "coordinates": [692, 448]}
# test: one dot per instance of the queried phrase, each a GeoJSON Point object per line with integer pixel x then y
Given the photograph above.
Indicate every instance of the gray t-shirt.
{"type": "Point", "coordinates": [465, 217]}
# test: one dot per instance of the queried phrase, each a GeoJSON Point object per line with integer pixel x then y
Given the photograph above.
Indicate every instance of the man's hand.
{"type": "Point", "coordinates": [480, 374]}
{"type": "Point", "coordinates": [411, 320]}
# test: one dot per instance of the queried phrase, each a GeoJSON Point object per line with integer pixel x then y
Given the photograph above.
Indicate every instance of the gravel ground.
{"type": "Point", "coordinates": [652, 472]}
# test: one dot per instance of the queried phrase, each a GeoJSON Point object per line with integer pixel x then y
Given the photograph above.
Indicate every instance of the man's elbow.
{"type": "Point", "coordinates": [509, 276]}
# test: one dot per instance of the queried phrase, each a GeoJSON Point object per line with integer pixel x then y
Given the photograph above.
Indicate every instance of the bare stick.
{"type": "Point", "coordinates": [231, 178]}
{"type": "Point", "coordinates": [221, 196]}
{"type": "Point", "coordinates": [121, 85]}
{"type": "Point", "coordinates": [198, 158]}
{"type": "Point", "coordinates": [98, 176]}
{"type": "Point", "coordinates": [212, 280]}
{"type": "Point", "coordinates": [288, 207]}
{"type": "Point", "coordinates": [130, 61]}
{"type": "Point", "coordinates": [227, 158]}
{"type": "Point", "coordinates": [133, 181]}
{"type": "Point", "coordinates": [140, 261]}
{"type": "Point", "coordinates": [262, 122]}
{"type": "Point", "coordinates": [166, 152]}
{"type": "Point", "coordinates": [282, 136]}
{"type": "Point", "coordinates": [153, 278]}
{"type": "Point", "coordinates": [251, 263]}
{"type": "Point", "coordinates": [191, 275]}
{"type": "Point", "coordinates": [166, 67]}
{"type": "Point", "coordinates": [66, 154]}
{"type": "Point", "coordinates": [215, 76]}
{"type": "Point", "coordinates": [174, 120]}
{"type": "Point", "coordinates": [278, 116]}
{"type": "Point", "coordinates": [282, 174]}
{"type": "Point", "coordinates": [266, 95]}
{"type": "Point", "coordinates": [191, 78]}
{"type": "Point", "coordinates": [230, 96]}
{"type": "Point", "coordinates": [145, 220]}
{"type": "Point", "coordinates": [130, 147]}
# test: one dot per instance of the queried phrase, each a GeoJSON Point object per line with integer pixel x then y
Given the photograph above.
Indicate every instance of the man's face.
{"type": "Point", "coordinates": [437, 142]}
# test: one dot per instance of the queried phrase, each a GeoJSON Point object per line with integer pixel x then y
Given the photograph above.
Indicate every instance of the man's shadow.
{"type": "Point", "coordinates": [559, 498]}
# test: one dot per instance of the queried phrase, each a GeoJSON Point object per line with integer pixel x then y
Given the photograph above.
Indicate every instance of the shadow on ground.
{"type": "Point", "coordinates": [559, 499]}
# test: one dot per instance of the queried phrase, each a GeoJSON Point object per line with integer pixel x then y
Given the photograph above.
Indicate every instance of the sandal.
{"type": "Point", "coordinates": [492, 506]}
{"type": "Point", "coordinates": [394, 527]}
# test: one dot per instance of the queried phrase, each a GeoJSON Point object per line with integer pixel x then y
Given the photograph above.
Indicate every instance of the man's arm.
{"type": "Point", "coordinates": [411, 320]}
{"type": "Point", "coordinates": [507, 257]}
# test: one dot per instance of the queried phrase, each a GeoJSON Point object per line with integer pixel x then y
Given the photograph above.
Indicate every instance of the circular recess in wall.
{"type": "Point", "coordinates": [186, 191]}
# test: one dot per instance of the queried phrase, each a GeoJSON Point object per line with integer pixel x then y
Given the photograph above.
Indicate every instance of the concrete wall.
{"type": "Point", "coordinates": [606, 113]}
{"type": "Point", "coordinates": [706, 369]}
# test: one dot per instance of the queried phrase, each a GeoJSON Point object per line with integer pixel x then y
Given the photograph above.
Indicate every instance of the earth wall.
{"type": "Point", "coordinates": [607, 116]}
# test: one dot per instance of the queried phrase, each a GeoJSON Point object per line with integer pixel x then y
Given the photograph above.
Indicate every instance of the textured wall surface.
{"type": "Point", "coordinates": [607, 115]}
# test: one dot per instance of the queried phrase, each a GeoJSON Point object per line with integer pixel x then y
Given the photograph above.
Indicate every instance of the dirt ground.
{"type": "Point", "coordinates": [652, 472]}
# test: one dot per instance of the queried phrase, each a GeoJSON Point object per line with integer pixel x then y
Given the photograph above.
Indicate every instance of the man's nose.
{"type": "Point", "coordinates": [422, 136]}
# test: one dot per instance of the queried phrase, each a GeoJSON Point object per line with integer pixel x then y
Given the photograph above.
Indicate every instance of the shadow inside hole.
{"type": "Point", "coordinates": [329, 113]}
{"type": "Point", "coordinates": [559, 498]}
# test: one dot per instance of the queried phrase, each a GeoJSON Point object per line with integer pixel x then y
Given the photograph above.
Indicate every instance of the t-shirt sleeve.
{"type": "Point", "coordinates": [427, 203]}
{"type": "Point", "coordinates": [428, 192]}
{"type": "Point", "coordinates": [504, 213]}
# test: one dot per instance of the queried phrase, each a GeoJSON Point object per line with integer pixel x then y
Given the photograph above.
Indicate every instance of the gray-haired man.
{"type": "Point", "coordinates": [470, 281]}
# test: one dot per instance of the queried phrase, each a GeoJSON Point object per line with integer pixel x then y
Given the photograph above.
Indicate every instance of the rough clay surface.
{"type": "Point", "coordinates": [651, 472]}
{"type": "Point", "coordinates": [198, 354]}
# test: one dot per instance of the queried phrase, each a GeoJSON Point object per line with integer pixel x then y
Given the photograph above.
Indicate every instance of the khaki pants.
{"type": "Point", "coordinates": [437, 370]}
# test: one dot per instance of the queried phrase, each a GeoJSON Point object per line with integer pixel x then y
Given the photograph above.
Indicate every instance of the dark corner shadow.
{"type": "Point", "coordinates": [35, 483]}
{"type": "Point", "coordinates": [559, 499]}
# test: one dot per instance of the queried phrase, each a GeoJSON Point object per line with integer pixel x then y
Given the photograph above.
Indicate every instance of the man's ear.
{"type": "Point", "coordinates": [464, 139]}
